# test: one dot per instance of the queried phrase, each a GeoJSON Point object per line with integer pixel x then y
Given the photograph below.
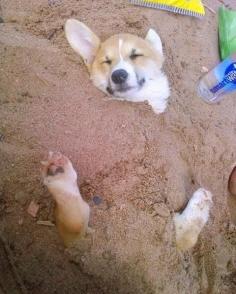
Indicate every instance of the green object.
{"type": "Point", "coordinates": [227, 32]}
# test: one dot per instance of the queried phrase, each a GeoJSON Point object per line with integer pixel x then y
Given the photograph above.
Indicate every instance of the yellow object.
{"type": "Point", "coordinates": [186, 7]}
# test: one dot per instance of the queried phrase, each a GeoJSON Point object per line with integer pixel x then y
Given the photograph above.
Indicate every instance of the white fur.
{"type": "Point", "coordinates": [156, 89]}
{"type": "Point", "coordinates": [155, 40]}
{"type": "Point", "coordinates": [156, 92]}
{"type": "Point", "coordinates": [82, 40]}
{"type": "Point", "coordinates": [66, 181]}
{"type": "Point", "coordinates": [120, 47]}
{"type": "Point", "coordinates": [189, 224]}
{"type": "Point", "coordinates": [62, 184]}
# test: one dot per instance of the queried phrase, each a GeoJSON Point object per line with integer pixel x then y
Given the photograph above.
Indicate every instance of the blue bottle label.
{"type": "Point", "coordinates": [225, 73]}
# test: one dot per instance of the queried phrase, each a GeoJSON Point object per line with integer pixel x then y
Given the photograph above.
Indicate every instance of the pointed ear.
{"type": "Point", "coordinates": [82, 40]}
{"type": "Point", "coordinates": [153, 38]}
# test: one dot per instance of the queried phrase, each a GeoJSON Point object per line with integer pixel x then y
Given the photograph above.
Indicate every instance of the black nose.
{"type": "Point", "coordinates": [119, 76]}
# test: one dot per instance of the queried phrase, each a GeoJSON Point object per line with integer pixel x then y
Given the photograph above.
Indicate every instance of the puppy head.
{"type": "Point", "coordinates": [123, 64]}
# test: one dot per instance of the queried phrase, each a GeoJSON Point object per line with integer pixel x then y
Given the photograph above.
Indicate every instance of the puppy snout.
{"type": "Point", "coordinates": [119, 76]}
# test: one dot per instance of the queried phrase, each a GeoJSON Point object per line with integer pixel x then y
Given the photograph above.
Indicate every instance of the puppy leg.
{"type": "Point", "coordinates": [189, 224]}
{"type": "Point", "coordinates": [72, 212]}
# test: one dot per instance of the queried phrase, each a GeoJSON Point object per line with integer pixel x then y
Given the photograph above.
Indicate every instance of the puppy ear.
{"type": "Point", "coordinates": [153, 38]}
{"type": "Point", "coordinates": [82, 40]}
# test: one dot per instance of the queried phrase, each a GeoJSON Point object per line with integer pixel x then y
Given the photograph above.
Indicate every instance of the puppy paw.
{"type": "Point", "coordinates": [54, 164]}
{"type": "Point", "coordinates": [200, 203]}
{"type": "Point", "coordinates": [57, 167]}
{"type": "Point", "coordinates": [191, 221]}
{"type": "Point", "coordinates": [158, 105]}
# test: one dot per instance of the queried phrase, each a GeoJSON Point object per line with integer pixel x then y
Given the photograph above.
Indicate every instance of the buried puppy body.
{"type": "Point", "coordinates": [71, 212]}
{"type": "Point", "coordinates": [191, 221]}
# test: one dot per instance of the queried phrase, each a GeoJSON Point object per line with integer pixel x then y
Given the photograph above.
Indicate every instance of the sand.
{"type": "Point", "coordinates": [143, 166]}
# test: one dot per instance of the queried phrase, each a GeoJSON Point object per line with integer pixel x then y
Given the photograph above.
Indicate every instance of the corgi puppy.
{"type": "Point", "coordinates": [191, 221]}
{"type": "Point", "coordinates": [124, 66]}
{"type": "Point", "coordinates": [71, 212]}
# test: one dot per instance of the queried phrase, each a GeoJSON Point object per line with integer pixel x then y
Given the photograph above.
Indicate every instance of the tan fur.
{"type": "Point", "coordinates": [69, 226]}
{"type": "Point", "coordinates": [71, 212]}
{"type": "Point", "coordinates": [110, 49]}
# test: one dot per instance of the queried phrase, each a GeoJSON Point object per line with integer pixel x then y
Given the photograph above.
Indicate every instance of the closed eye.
{"type": "Point", "coordinates": [107, 61]}
{"type": "Point", "coordinates": [133, 56]}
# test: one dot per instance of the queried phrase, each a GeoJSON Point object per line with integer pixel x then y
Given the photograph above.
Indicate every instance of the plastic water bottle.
{"type": "Point", "coordinates": [218, 81]}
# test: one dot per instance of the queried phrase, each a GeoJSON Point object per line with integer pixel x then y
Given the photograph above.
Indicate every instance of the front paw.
{"type": "Point", "coordinates": [54, 164]}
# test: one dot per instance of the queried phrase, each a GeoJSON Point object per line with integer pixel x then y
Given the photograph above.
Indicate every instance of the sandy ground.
{"type": "Point", "coordinates": [143, 166]}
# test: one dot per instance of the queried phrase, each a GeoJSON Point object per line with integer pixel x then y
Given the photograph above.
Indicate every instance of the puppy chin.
{"type": "Point", "coordinates": [123, 94]}
{"type": "Point", "coordinates": [125, 90]}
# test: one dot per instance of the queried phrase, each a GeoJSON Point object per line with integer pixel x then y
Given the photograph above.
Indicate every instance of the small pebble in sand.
{"type": "Point", "coordinates": [67, 132]}
{"type": "Point", "coordinates": [232, 228]}
{"type": "Point", "coordinates": [54, 2]}
{"type": "Point", "coordinates": [97, 200]}
{"type": "Point", "coordinates": [20, 221]}
{"type": "Point", "coordinates": [9, 209]}
{"type": "Point", "coordinates": [46, 223]}
{"type": "Point", "coordinates": [33, 208]}
{"type": "Point", "coordinates": [160, 209]}
{"type": "Point", "coordinates": [21, 197]}
{"type": "Point", "coordinates": [204, 69]}
{"type": "Point", "coordinates": [1, 137]}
